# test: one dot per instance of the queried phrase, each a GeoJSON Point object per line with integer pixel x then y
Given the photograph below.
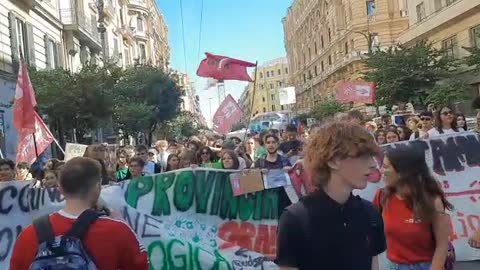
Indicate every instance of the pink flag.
{"type": "Point", "coordinates": [26, 147]}
{"type": "Point", "coordinates": [356, 91]}
{"type": "Point", "coordinates": [224, 68]}
{"type": "Point", "coordinates": [226, 115]}
{"type": "Point", "coordinates": [24, 104]}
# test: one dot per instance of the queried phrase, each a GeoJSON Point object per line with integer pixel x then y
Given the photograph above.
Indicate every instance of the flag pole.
{"type": "Point", "coordinates": [253, 101]}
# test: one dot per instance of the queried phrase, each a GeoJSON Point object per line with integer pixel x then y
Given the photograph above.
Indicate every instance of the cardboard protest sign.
{"type": "Point", "coordinates": [74, 150]}
{"type": "Point", "coordinates": [249, 181]}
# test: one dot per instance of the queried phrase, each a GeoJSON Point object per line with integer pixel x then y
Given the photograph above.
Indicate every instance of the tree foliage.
{"type": "Point", "coordinates": [328, 108]}
{"type": "Point", "coordinates": [133, 100]}
{"type": "Point", "coordinates": [447, 93]}
{"type": "Point", "coordinates": [474, 58]}
{"type": "Point", "coordinates": [183, 125]}
{"type": "Point", "coordinates": [406, 74]}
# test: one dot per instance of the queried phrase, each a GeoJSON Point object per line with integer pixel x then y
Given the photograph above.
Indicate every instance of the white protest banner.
{"type": "Point", "coordinates": [74, 150]}
{"type": "Point", "coordinates": [184, 218]}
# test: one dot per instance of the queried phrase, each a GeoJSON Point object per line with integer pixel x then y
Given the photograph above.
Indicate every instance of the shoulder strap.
{"type": "Point", "coordinates": [83, 222]}
{"type": "Point", "coordinates": [417, 134]}
{"type": "Point", "coordinates": [43, 229]}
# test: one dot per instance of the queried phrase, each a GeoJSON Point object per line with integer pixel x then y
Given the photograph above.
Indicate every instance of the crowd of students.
{"type": "Point", "coordinates": [427, 125]}
{"type": "Point", "coordinates": [328, 227]}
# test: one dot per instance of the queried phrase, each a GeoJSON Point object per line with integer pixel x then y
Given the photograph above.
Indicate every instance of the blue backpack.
{"type": "Point", "coordinates": [63, 252]}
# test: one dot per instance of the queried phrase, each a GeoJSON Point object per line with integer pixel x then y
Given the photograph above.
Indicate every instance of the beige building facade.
{"type": "Point", "coordinates": [327, 41]}
{"type": "Point", "coordinates": [451, 26]}
{"type": "Point", "coordinates": [71, 33]}
{"type": "Point", "coordinates": [271, 76]}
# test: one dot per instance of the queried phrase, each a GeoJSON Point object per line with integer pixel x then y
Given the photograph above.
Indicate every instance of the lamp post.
{"type": "Point", "coordinates": [101, 26]}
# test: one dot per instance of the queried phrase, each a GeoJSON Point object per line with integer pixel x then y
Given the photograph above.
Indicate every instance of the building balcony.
{"type": "Point", "coordinates": [140, 34]}
{"type": "Point", "coordinates": [86, 30]}
{"type": "Point", "coordinates": [127, 33]}
{"type": "Point", "coordinates": [29, 3]}
{"type": "Point", "coordinates": [138, 5]}
{"type": "Point", "coordinates": [109, 10]}
{"type": "Point", "coordinates": [446, 15]}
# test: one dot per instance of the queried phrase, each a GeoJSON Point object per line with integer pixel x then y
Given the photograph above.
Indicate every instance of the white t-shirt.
{"type": "Point", "coordinates": [434, 132]}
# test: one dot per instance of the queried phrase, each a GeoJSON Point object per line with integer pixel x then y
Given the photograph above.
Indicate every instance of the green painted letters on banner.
{"type": "Point", "coordinates": [184, 191]}
{"type": "Point", "coordinates": [137, 188]}
{"type": "Point", "coordinates": [161, 204]}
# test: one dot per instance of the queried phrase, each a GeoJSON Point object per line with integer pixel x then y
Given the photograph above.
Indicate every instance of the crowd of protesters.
{"type": "Point", "coordinates": [329, 226]}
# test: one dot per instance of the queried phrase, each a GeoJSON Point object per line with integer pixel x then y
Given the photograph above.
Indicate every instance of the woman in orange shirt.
{"type": "Point", "coordinates": [413, 207]}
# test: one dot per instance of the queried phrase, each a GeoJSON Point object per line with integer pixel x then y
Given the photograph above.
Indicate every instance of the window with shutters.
{"type": "Point", "coordinates": [50, 53]}
{"type": "Point", "coordinates": [421, 12]}
{"type": "Point", "coordinates": [142, 53]}
{"type": "Point", "coordinates": [449, 47]}
{"type": "Point", "coordinates": [330, 60]}
{"type": "Point", "coordinates": [273, 107]}
{"type": "Point", "coordinates": [140, 23]}
{"type": "Point", "coordinates": [475, 33]}
{"type": "Point", "coordinates": [21, 37]}
{"type": "Point", "coordinates": [316, 70]}
{"type": "Point", "coordinates": [286, 70]}
{"type": "Point", "coordinates": [127, 57]}
{"type": "Point", "coordinates": [321, 42]}
{"type": "Point", "coordinates": [115, 47]}
{"type": "Point", "coordinates": [315, 47]}
{"type": "Point", "coordinates": [21, 40]}
{"type": "Point", "coordinates": [322, 64]}
{"type": "Point", "coordinates": [273, 97]}
{"type": "Point", "coordinates": [279, 72]}
{"type": "Point", "coordinates": [263, 99]}
{"type": "Point", "coordinates": [264, 109]}
{"type": "Point", "coordinates": [261, 75]}
{"type": "Point", "coordinates": [282, 108]}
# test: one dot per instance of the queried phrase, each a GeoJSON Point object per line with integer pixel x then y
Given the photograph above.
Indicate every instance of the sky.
{"type": "Point", "coordinates": [250, 30]}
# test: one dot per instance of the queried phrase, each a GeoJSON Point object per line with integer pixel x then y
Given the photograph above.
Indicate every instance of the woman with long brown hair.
{"type": "Point", "coordinates": [413, 207]}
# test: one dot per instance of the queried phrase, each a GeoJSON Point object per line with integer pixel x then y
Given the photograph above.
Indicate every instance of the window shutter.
{"type": "Point", "coordinates": [59, 55]}
{"type": "Point", "coordinates": [106, 56]}
{"type": "Point", "coordinates": [30, 45]}
{"type": "Point", "coordinates": [13, 41]}
{"type": "Point", "coordinates": [48, 61]}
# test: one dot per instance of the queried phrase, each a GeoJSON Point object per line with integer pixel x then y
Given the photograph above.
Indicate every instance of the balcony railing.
{"type": "Point", "coordinates": [72, 17]}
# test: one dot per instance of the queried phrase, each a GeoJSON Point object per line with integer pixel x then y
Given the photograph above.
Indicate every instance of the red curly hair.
{"type": "Point", "coordinates": [336, 140]}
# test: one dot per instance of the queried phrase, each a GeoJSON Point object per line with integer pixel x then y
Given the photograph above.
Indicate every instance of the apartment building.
{"type": "Point", "coordinates": [452, 26]}
{"type": "Point", "coordinates": [326, 42]}
{"type": "Point", "coordinates": [271, 76]}
{"type": "Point", "coordinates": [71, 33]}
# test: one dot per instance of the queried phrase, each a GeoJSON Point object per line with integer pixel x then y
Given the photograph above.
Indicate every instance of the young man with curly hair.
{"type": "Point", "coordinates": [331, 228]}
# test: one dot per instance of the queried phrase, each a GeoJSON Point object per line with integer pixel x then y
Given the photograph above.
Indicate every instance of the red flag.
{"type": "Point", "coordinates": [26, 147]}
{"type": "Point", "coordinates": [226, 115]}
{"type": "Point", "coordinates": [224, 68]}
{"type": "Point", "coordinates": [300, 127]}
{"type": "Point", "coordinates": [356, 91]}
{"type": "Point", "coordinates": [24, 104]}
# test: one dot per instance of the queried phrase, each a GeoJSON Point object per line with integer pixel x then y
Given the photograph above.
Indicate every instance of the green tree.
{"type": "Point", "coordinates": [144, 98]}
{"type": "Point", "coordinates": [183, 125]}
{"type": "Point", "coordinates": [327, 108]}
{"type": "Point", "coordinates": [447, 93]}
{"type": "Point", "coordinates": [474, 58]}
{"type": "Point", "coordinates": [80, 101]}
{"type": "Point", "coordinates": [406, 74]}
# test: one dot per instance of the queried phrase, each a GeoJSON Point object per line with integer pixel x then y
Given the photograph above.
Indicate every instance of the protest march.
{"type": "Point", "coordinates": [191, 218]}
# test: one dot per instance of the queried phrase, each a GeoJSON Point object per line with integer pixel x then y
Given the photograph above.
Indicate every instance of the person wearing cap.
{"type": "Point", "coordinates": [426, 119]}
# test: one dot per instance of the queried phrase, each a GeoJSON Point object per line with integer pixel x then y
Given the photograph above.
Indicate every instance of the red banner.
{"type": "Point", "coordinates": [224, 68]}
{"type": "Point", "coordinates": [26, 146]}
{"type": "Point", "coordinates": [356, 91]}
{"type": "Point", "coordinates": [24, 104]}
{"type": "Point", "coordinates": [227, 114]}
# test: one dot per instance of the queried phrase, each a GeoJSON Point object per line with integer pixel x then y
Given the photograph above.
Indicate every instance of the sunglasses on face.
{"type": "Point", "coordinates": [151, 154]}
{"type": "Point", "coordinates": [426, 119]}
{"type": "Point", "coordinates": [447, 113]}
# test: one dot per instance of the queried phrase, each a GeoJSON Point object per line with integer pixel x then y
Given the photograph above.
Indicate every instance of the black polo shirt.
{"type": "Point", "coordinates": [336, 237]}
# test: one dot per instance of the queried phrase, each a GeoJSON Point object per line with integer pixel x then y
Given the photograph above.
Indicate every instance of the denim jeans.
{"type": "Point", "coordinates": [417, 266]}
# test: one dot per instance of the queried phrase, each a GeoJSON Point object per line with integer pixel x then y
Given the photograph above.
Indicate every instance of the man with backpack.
{"type": "Point", "coordinates": [331, 228]}
{"type": "Point", "coordinates": [78, 237]}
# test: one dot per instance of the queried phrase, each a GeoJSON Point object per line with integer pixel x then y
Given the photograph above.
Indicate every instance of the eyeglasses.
{"type": "Point", "coordinates": [426, 119]}
{"type": "Point", "coordinates": [447, 113]}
